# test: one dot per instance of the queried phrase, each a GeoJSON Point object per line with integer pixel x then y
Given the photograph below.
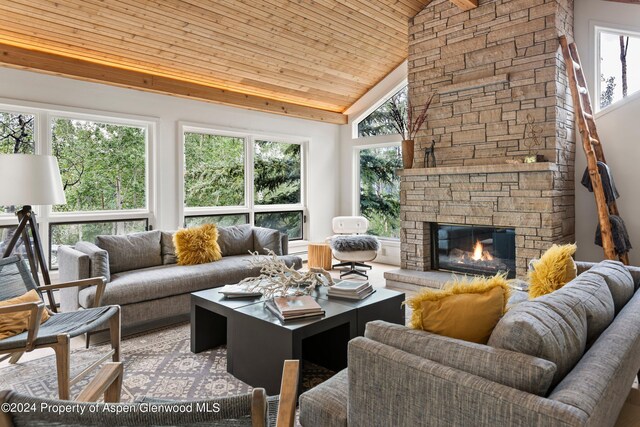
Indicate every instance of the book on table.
{"type": "Point", "coordinates": [294, 307]}
{"type": "Point", "coordinates": [351, 290]}
{"type": "Point", "coordinates": [239, 291]}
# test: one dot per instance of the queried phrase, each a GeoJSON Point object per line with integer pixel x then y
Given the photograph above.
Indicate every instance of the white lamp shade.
{"type": "Point", "coordinates": [30, 179]}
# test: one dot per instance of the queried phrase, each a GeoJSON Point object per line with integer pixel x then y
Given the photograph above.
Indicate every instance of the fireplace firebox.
{"type": "Point", "coordinates": [474, 249]}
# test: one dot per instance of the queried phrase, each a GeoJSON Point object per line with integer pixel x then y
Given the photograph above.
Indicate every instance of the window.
{"type": "Point", "coordinates": [214, 170]}
{"type": "Point", "coordinates": [380, 190]}
{"type": "Point", "coordinates": [71, 233]}
{"type": "Point", "coordinates": [379, 121]}
{"type": "Point", "coordinates": [618, 67]}
{"type": "Point", "coordinates": [103, 166]}
{"type": "Point", "coordinates": [232, 178]}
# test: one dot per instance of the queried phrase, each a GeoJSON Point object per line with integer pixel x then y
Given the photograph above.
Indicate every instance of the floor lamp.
{"type": "Point", "coordinates": [26, 180]}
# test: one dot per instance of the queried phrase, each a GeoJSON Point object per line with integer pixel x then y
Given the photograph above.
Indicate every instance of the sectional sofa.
{"type": "Point", "coordinates": [144, 279]}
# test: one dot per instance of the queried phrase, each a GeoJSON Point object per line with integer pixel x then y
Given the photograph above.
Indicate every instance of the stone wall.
{"type": "Point", "coordinates": [492, 67]}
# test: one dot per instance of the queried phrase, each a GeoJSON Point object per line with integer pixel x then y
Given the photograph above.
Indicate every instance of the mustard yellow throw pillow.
{"type": "Point", "coordinates": [16, 323]}
{"type": "Point", "coordinates": [197, 245]}
{"type": "Point", "coordinates": [466, 310]}
{"type": "Point", "coordinates": [553, 270]}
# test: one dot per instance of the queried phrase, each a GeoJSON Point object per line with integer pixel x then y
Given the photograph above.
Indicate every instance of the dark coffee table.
{"type": "Point", "coordinates": [258, 343]}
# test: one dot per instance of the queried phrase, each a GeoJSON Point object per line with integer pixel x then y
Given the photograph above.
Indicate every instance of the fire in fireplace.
{"type": "Point", "coordinates": [474, 249]}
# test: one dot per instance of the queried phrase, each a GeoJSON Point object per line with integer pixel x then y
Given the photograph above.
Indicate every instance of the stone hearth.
{"type": "Point", "coordinates": [493, 68]}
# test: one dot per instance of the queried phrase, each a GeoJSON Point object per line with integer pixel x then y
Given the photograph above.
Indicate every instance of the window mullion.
{"type": "Point", "coordinates": [249, 177]}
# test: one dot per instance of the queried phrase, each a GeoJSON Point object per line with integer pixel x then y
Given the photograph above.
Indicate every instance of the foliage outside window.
{"type": "Point", "coordinates": [619, 66]}
{"type": "Point", "coordinates": [379, 122]}
{"type": "Point", "coordinates": [215, 178]}
{"type": "Point", "coordinates": [103, 166]}
{"type": "Point", "coordinates": [380, 190]}
{"type": "Point", "coordinates": [16, 137]}
{"type": "Point", "coordinates": [71, 233]}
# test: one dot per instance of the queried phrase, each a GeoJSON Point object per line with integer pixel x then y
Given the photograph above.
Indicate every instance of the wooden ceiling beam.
{"type": "Point", "coordinates": [465, 4]}
{"type": "Point", "coordinates": [50, 63]}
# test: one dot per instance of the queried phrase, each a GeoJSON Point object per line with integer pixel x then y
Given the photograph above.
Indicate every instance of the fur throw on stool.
{"type": "Point", "coordinates": [354, 243]}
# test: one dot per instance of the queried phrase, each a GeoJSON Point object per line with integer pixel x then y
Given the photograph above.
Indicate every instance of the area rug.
{"type": "Point", "coordinates": [157, 364]}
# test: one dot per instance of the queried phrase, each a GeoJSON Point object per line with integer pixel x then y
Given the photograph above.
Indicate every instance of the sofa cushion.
{"type": "Point", "coordinates": [167, 249]}
{"type": "Point", "coordinates": [618, 279]}
{"type": "Point", "coordinates": [167, 280]}
{"type": "Point", "coordinates": [235, 240]}
{"type": "Point", "coordinates": [326, 403]}
{"type": "Point", "coordinates": [265, 239]}
{"type": "Point", "coordinates": [551, 327]}
{"type": "Point", "coordinates": [99, 259]}
{"type": "Point", "coordinates": [132, 251]}
{"type": "Point", "coordinates": [517, 370]}
{"type": "Point", "coordinates": [594, 293]}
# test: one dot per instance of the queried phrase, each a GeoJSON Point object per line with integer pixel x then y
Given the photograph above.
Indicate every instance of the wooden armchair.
{"type": "Point", "coordinates": [251, 409]}
{"type": "Point", "coordinates": [15, 280]}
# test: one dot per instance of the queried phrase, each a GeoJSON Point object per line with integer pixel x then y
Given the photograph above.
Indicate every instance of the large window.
{"type": "Point", "coordinates": [104, 166]}
{"type": "Point", "coordinates": [379, 122]}
{"type": "Point", "coordinates": [234, 179]}
{"type": "Point", "coordinates": [380, 190]}
{"type": "Point", "coordinates": [618, 65]}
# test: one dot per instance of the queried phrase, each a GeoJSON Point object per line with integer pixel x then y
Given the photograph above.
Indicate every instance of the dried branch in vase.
{"type": "Point", "coordinates": [403, 120]}
{"type": "Point", "coordinates": [278, 279]}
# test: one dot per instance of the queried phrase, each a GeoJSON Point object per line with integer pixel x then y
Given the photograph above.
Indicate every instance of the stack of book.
{"type": "Point", "coordinates": [239, 291]}
{"type": "Point", "coordinates": [294, 307]}
{"type": "Point", "coordinates": [351, 290]}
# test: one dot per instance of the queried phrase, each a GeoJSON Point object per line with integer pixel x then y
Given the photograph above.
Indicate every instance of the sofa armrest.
{"type": "Point", "coordinates": [388, 386]}
{"type": "Point", "coordinates": [284, 239]}
{"type": "Point", "coordinates": [72, 265]}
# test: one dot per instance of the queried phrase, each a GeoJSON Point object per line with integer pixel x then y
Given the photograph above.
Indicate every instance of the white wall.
{"type": "Point", "coordinates": [390, 253]}
{"type": "Point", "coordinates": [323, 176]}
{"type": "Point", "coordinates": [617, 127]}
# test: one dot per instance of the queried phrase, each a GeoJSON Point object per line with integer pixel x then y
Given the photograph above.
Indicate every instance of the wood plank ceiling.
{"type": "Point", "coordinates": [306, 58]}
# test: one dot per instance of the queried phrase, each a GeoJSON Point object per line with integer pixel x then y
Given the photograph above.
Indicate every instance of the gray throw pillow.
{"type": "Point", "coordinates": [132, 251]}
{"type": "Point", "coordinates": [517, 370]}
{"type": "Point", "coordinates": [235, 240]}
{"type": "Point", "coordinates": [168, 249]}
{"type": "Point", "coordinates": [265, 239]}
{"type": "Point", "coordinates": [99, 259]}
{"type": "Point", "coordinates": [618, 279]}
{"type": "Point", "coordinates": [552, 327]}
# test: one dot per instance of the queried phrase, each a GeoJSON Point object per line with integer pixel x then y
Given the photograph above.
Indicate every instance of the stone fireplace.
{"type": "Point", "coordinates": [496, 69]}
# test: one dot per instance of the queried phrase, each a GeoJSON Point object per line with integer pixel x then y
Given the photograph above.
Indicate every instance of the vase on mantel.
{"type": "Point", "coordinates": [407, 153]}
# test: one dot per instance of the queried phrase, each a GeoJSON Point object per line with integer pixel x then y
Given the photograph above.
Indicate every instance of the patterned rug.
{"type": "Point", "coordinates": [156, 364]}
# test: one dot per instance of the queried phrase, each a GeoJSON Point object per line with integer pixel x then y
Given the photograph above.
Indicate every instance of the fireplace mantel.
{"type": "Point", "coordinates": [500, 168]}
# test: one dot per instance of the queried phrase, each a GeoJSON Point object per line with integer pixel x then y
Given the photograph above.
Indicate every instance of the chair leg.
{"type": "Point", "coordinates": [15, 357]}
{"type": "Point", "coordinates": [63, 364]}
{"type": "Point", "coordinates": [114, 332]}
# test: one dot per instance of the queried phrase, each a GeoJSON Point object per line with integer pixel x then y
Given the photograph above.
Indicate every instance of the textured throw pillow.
{"type": "Point", "coordinates": [132, 251]}
{"type": "Point", "coordinates": [197, 245]}
{"type": "Point", "coordinates": [99, 259]}
{"type": "Point", "coordinates": [168, 250]}
{"type": "Point", "coordinates": [235, 240]}
{"type": "Point", "coordinates": [15, 323]}
{"type": "Point", "coordinates": [553, 270]}
{"type": "Point", "coordinates": [464, 310]}
{"type": "Point", "coordinates": [266, 239]}
{"type": "Point", "coordinates": [552, 327]}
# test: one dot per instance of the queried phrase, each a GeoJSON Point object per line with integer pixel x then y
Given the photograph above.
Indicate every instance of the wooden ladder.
{"type": "Point", "coordinates": [592, 146]}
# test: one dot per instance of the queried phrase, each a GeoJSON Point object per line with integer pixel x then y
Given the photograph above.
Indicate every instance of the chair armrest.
{"type": "Point", "coordinates": [35, 316]}
{"type": "Point", "coordinates": [388, 386]}
{"type": "Point", "coordinates": [288, 393]}
{"type": "Point", "coordinates": [258, 407]}
{"type": "Point", "coordinates": [107, 382]}
{"type": "Point", "coordinates": [99, 282]}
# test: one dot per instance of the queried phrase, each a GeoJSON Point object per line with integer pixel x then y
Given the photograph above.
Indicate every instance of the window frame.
{"type": "Point", "coordinates": [45, 114]}
{"type": "Point", "coordinates": [598, 29]}
{"type": "Point", "coordinates": [356, 178]}
{"type": "Point", "coordinates": [249, 207]}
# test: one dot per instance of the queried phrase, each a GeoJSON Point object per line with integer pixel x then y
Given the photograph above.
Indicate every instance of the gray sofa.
{"type": "Point", "coordinates": [144, 279]}
{"type": "Point", "coordinates": [565, 359]}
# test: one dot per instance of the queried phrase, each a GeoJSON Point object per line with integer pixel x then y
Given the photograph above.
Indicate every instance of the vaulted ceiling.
{"type": "Point", "coordinates": [305, 58]}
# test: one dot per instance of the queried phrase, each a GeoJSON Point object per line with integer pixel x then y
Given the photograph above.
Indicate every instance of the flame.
{"type": "Point", "coordinates": [477, 251]}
